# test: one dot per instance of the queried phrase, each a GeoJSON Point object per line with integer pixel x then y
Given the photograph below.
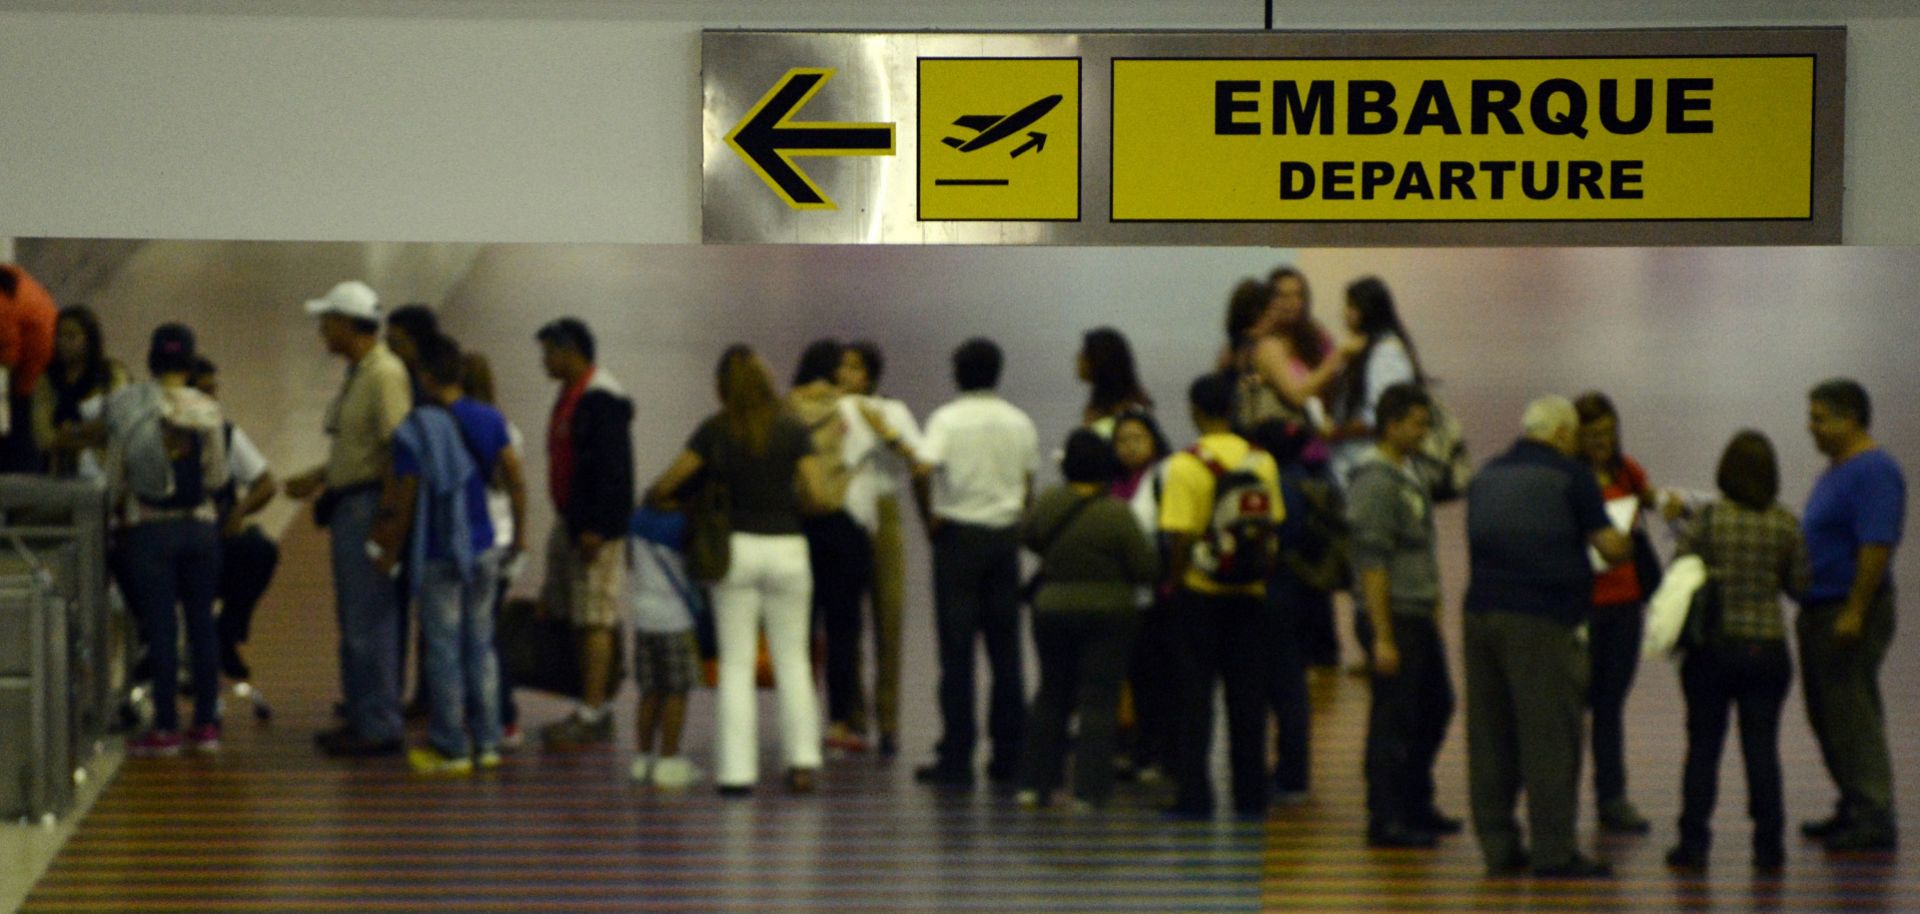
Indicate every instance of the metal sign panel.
{"type": "Point", "coordinates": [1629, 137]}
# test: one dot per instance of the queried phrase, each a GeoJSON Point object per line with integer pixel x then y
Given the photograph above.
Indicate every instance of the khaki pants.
{"type": "Point", "coordinates": [889, 603]}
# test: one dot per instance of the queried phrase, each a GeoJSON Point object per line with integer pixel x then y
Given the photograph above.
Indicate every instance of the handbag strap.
{"type": "Point", "coordinates": [1060, 526]}
{"type": "Point", "coordinates": [680, 585]}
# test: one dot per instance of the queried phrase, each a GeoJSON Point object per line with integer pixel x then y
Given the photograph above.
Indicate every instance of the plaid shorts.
{"type": "Point", "coordinates": [665, 662]}
{"type": "Point", "coordinates": [589, 593]}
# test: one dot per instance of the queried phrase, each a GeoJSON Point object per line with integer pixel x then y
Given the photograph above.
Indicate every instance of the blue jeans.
{"type": "Point", "coordinates": [369, 623]}
{"type": "Point", "coordinates": [460, 669]}
{"type": "Point", "coordinates": [169, 563]}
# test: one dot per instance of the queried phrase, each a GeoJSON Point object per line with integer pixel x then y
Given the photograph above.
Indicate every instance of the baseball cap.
{"type": "Point", "coordinates": [351, 299]}
{"type": "Point", "coordinates": [171, 349]}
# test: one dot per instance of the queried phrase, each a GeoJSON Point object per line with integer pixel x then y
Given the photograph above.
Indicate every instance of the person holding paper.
{"type": "Point", "coordinates": [1619, 609]}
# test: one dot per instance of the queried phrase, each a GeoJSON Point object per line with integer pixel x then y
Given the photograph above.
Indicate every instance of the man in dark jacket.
{"type": "Point", "coordinates": [590, 476]}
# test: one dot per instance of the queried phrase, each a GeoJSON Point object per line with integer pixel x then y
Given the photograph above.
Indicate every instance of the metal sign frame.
{"type": "Point", "coordinates": [874, 83]}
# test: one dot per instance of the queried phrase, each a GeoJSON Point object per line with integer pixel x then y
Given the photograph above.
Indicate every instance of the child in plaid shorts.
{"type": "Point", "coordinates": [665, 663]}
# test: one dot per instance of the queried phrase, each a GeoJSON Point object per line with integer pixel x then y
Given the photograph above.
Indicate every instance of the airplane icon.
{"type": "Point", "coordinates": [992, 128]}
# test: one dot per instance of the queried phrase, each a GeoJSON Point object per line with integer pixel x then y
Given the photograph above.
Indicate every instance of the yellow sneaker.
{"type": "Point", "coordinates": [429, 762]}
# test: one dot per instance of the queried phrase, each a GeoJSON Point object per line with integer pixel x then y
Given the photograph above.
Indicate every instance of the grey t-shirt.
{"type": "Point", "coordinates": [762, 485]}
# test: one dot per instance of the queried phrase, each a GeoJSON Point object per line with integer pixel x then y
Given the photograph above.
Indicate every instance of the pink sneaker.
{"type": "Point", "coordinates": [204, 739]}
{"type": "Point", "coordinates": [155, 744]}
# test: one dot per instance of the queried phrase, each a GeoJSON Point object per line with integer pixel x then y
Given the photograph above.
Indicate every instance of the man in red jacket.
{"type": "Point", "coordinates": [27, 316]}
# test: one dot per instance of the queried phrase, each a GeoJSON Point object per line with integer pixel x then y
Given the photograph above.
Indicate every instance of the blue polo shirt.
{"type": "Point", "coordinates": [1861, 502]}
{"type": "Point", "coordinates": [1530, 512]}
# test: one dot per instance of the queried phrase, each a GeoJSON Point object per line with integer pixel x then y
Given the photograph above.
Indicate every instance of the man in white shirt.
{"type": "Point", "coordinates": [873, 499]}
{"type": "Point", "coordinates": [248, 556]}
{"type": "Point", "coordinates": [973, 482]}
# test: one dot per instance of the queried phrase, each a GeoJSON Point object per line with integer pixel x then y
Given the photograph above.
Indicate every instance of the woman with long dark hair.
{"type": "Point", "coordinates": [76, 383]}
{"type": "Point", "coordinates": [1106, 363]}
{"type": "Point", "coordinates": [1754, 552]}
{"type": "Point", "coordinates": [1619, 614]}
{"type": "Point", "coordinates": [1379, 355]}
{"type": "Point", "coordinates": [1283, 360]}
{"type": "Point", "coordinates": [838, 547]}
{"type": "Point", "coordinates": [766, 459]}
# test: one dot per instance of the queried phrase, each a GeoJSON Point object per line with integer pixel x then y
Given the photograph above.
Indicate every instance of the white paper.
{"type": "Point", "coordinates": [1620, 512]}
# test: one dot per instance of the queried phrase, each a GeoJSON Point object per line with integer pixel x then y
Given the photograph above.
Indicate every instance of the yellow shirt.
{"type": "Point", "coordinates": [372, 403]}
{"type": "Point", "coordinates": [1186, 503]}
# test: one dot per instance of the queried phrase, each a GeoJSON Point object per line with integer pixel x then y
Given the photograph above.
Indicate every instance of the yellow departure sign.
{"type": "Point", "coordinates": [1463, 139]}
{"type": "Point", "coordinates": [999, 139]}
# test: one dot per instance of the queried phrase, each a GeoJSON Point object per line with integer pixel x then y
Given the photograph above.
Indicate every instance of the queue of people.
{"type": "Point", "coordinates": [1165, 574]}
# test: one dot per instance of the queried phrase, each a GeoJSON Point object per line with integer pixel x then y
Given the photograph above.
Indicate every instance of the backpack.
{"type": "Point", "coordinates": [1238, 544]}
{"type": "Point", "coordinates": [1316, 552]}
{"type": "Point", "coordinates": [1442, 459]}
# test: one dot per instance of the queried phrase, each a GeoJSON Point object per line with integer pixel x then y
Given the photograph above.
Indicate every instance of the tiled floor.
{"type": "Point", "coordinates": [269, 825]}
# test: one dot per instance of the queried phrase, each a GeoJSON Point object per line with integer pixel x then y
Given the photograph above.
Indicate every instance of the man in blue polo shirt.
{"type": "Point", "coordinates": [1531, 514]}
{"type": "Point", "coordinates": [1852, 522]}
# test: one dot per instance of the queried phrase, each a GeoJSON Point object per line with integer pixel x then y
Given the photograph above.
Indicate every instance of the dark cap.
{"type": "Point", "coordinates": [171, 349]}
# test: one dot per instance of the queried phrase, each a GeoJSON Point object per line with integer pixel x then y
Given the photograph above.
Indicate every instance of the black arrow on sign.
{"type": "Point", "coordinates": [1038, 143]}
{"type": "Point", "coordinates": [768, 141]}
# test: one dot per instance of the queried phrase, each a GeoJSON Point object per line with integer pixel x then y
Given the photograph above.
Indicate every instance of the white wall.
{"type": "Point", "coordinates": [577, 120]}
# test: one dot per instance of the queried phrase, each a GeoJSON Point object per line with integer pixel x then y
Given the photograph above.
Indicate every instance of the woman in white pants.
{"type": "Point", "coordinates": [765, 459]}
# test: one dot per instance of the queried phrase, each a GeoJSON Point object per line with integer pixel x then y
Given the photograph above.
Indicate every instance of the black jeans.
{"type": "Point", "coordinates": [1613, 649]}
{"type": "Point", "coordinates": [842, 557]}
{"type": "Point", "coordinates": [509, 709]}
{"type": "Point", "coordinates": [1407, 724]}
{"type": "Point", "coordinates": [1291, 607]}
{"type": "Point", "coordinates": [1228, 639]}
{"type": "Point", "coordinates": [976, 596]}
{"type": "Point", "coordinates": [247, 563]}
{"type": "Point", "coordinates": [1751, 678]}
{"type": "Point", "coordinates": [1083, 658]}
{"type": "Point", "coordinates": [1313, 614]}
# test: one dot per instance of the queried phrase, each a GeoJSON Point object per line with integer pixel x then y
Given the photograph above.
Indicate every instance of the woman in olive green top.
{"type": "Point", "coordinates": [1093, 556]}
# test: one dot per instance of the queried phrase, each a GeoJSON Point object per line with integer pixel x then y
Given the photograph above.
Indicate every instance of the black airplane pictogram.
{"type": "Point", "coordinates": [992, 128]}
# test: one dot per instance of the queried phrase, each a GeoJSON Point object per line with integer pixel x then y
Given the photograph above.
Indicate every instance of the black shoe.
{"type": "Point", "coordinates": [1514, 864]}
{"type": "Point", "coordinates": [1003, 771]}
{"type": "Point", "coordinates": [1180, 812]}
{"type": "Point", "coordinates": [1433, 820]}
{"type": "Point", "coordinates": [345, 743]}
{"type": "Point", "coordinates": [1398, 836]}
{"type": "Point", "coordinates": [1821, 829]}
{"type": "Point", "coordinates": [734, 791]}
{"type": "Point", "coordinates": [1618, 817]}
{"type": "Point", "coordinates": [941, 774]}
{"type": "Point", "coordinates": [1576, 868]}
{"type": "Point", "coordinates": [417, 709]}
{"type": "Point", "coordinates": [1687, 859]}
{"type": "Point", "coordinates": [231, 666]}
{"type": "Point", "coordinates": [1770, 862]}
{"type": "Point", "coordinates": [1863, 838]}
{"type": "Point", "coordinates": [889, 745]}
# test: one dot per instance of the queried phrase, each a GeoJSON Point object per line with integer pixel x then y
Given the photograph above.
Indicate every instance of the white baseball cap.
{"type": "Point", "coordinates": [352, 298]}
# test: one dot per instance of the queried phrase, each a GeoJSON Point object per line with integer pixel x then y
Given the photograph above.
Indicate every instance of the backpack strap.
{"type": "Point", "coordinates": [1060, 526]}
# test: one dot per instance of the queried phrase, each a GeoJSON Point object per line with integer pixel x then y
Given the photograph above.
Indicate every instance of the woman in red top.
{"type": "Point", "coordinates": [1619, 604]}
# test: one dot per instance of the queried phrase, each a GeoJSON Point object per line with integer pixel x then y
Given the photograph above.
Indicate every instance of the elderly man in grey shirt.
{"type": "Point", "coordinates": [1392, 548]}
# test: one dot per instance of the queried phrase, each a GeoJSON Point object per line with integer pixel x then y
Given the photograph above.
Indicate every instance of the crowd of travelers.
{"type": "Point", "coordinates": [1168, 575]}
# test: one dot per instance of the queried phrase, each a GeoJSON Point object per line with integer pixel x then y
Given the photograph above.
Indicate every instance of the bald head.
{"type": "Point", "coordinates": [1552, 421]}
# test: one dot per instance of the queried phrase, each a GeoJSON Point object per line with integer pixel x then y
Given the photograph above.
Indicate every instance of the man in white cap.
{"type": "Point", "coordinates": [372, 403]}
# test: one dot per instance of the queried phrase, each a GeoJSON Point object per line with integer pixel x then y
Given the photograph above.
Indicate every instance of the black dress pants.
{"type": "Point", "coordinates": [976, 595]}
{"type": "Point", "coordinates": [1407, 724]}
{"type": "Point", "coordinates": [1229, 640]}
{"type": "Point", "coordinates": [842, 557]}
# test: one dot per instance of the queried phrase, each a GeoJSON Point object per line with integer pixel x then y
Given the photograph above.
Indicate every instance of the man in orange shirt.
{"type": "Point", "coordinates": [27, 316]}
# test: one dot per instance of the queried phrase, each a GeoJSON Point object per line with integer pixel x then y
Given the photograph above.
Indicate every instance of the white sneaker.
{"type": "Point", "coordinates": [675, 772]}
{"type": "Point", "coordinates": [1027, 799]}
{"type": "Point", "coordinates": [642, 770]}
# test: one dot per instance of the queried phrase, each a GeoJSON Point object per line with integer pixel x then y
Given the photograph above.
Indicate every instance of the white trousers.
{"type": "Point", "coordinates": [768, 580]}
